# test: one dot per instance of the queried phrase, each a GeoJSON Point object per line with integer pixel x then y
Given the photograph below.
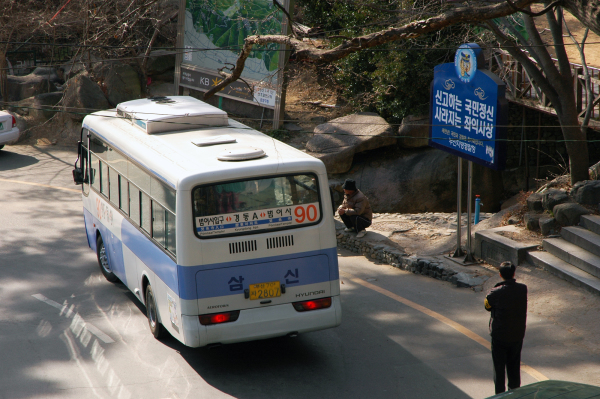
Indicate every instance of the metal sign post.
{"type": "Point", "coordinates": [459, 252]}
{"type": "Point", "coordinates": [468, 118]}
{"type": "Point", "coordinates": [469, 257]}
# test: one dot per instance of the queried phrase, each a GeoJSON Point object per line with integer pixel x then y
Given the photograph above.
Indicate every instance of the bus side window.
{"type": "Point", "coordinates": [95, 172]}
{"type": "Point", "coordinates": [158, 223]}
{"type": "Point", "coordinates": [134, 204]}
{"type": "Point", "coordinates": [170, 228]}
{"type": "Point", "coordinates": [124, 194]}
{"type": "Point", "coordinates": [113, 184]}
{"type": "Point", "coordinates": [104, 178]}
{"type": "Point", "coordinates": [145, 210]}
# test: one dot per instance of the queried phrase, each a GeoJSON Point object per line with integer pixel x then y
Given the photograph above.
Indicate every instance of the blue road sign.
{"type": "Point", "coordinates": [469, 110]}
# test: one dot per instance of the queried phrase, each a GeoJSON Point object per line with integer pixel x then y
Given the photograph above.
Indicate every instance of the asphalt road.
{"type": "Point", "coordinates": [402, 335]}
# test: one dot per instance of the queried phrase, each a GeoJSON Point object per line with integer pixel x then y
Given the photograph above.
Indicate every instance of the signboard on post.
{"type": "Point", "coordinates": [213, 35]}
{"type": "Point", "coordinates": [469, 110]}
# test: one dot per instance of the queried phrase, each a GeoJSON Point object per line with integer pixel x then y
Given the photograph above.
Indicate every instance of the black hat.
{"type": "Point", "coordinates": [507, 270]}
{"type": "Point", "coordinates": [349, 184]}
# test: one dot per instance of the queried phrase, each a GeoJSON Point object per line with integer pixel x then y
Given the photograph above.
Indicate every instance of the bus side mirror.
{"type": "Point", "coordinates": [78, 177]}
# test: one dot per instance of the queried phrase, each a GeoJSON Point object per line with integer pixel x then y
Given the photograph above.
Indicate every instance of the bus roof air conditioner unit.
{"type": "Point", "coordinates": [167, 114]}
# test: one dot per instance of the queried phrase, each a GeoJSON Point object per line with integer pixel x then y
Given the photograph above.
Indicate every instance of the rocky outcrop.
{"type": "Point", "coordinates": [420, 181]}
{"type": "Point", "coordinates": [587, 192]}
{"type": "Point", "coordinates": [534, 202]}
{"type": "Point", "coordinates": [532, 221]}
{"type": "Point", "coordinates": [554, 197]}
{"type": "Point", "coordinates": [83, 96]}
{"type": "Point", "coordinates": [548, 225]}
{"type": "Point", "coordinates": [336, 141]}
{"type": "Point", "coordinates": [52, 74]}
{"type": "Point", "coordinates": [21, 87]}
{"type": "Point", "coordinates": [119, 81]}
{"type": "Point", "coordinates": [414, 132]}
{"type": "Point", "coordinates": [41, 106]}
{"type": "Point", "coordinates": [569, 214]}
{"type": "Point", "coordinates": [161, 65]}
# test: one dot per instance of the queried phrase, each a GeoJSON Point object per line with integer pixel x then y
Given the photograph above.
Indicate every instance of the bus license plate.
{"type": "Point", "coordinates": [265, 290]}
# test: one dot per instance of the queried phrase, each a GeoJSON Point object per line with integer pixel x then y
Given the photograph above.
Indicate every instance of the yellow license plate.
{"type": "Point", "coordinates": [265, 290]}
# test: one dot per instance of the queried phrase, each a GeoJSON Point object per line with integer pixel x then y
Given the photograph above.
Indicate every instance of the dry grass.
{"type": "Point", "coordinates": [520, 210]}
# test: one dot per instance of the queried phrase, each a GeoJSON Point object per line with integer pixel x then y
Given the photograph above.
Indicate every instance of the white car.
{"type": "Point", "coordinates": [9, 132]}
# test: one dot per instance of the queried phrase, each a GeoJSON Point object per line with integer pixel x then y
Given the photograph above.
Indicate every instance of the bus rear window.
{"type": "Point", "coordinates": [256, 205]}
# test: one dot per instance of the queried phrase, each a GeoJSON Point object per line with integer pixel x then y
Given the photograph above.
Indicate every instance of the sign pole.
{"type": "Point", "coordinates": [459, 252]}
{"type": "Point", "coordinates": [469, 257]}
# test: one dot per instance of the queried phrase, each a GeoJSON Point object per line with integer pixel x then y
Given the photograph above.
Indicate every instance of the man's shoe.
{"type": "Point", "coordinates": [349, 229]}
{"type": "Point", "coordinates": [361, 234]}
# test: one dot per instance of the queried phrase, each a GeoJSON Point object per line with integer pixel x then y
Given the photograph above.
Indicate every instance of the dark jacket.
{"type": "Point", "coordinates": [508, 303]}
{"type": "Point", "coordinates": [357, 204]}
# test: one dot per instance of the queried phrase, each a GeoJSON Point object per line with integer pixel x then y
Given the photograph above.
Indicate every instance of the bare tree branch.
{"type": "Point", "coordinates": [306, 52]}
{"type": "Point", "coordinates": [559, 45]}
{"type": "Point", "coordinates": [586, 75]}
{"type": "Point", "coordinates": [534, 14]}
{"type": "Point", "coordinates": [533, 70]}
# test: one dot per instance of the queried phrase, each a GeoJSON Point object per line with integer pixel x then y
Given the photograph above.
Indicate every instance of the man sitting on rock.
{"type": "Point", "coordinates": [355, 211]}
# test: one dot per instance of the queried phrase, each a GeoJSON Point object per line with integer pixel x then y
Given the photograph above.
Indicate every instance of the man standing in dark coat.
{"type": "Point", "coordinates": [507, 302]}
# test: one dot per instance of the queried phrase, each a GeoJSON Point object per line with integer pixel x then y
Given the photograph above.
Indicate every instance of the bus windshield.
{"type": "Point", "coordinates": [256, 205]}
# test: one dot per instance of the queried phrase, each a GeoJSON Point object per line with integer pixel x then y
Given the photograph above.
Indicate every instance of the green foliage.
{"type": "Point", "coordinates": [394, 79]}
{"type": "Point", "coordinates": [393, 83]}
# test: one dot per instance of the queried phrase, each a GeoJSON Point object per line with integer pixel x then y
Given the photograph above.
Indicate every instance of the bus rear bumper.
{"type": "Point", "coordinates": [262, 323]}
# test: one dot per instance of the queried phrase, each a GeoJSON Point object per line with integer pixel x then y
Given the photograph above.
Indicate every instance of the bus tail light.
{"type": "Point", "coordinates": [218, 318]}
{"type": "Point", "coordinates": [14, 122]}
{"type": "Point", "coordinates": [313, 304]}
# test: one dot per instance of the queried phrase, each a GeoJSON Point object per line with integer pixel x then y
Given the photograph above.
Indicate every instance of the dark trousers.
{"type": "Point", "coordinates": [506, 355]}
{"type": "Point", "coordinates": [357, 222]}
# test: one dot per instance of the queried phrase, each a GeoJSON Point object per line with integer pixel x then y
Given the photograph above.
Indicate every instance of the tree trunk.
{"type": "Point", "coordinates": [3, 80]}
{"type": "Point", "coordinates": [587, 11]}
{"type": "Point", "coordinates": [576, 143]}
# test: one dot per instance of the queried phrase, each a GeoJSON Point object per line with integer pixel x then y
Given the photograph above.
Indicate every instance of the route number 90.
{"type": "Point", "coordinates": [310, 213]}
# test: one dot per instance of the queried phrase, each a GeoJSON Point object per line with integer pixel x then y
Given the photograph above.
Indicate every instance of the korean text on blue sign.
{"type": "Point", "coordinates": [468, 110]}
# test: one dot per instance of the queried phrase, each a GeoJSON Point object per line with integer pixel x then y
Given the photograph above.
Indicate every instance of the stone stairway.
{"type": "Point", "coordinates": [575, 255]}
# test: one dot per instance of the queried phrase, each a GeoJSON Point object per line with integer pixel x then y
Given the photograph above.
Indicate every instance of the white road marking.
{"type": "Point", "coordinates": [90, 327]}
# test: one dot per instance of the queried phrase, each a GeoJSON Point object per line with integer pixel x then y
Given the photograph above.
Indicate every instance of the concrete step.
{"type": "Point", "coordinates": [574, 255]}
{"type": "Point", "coordinates": [582, 238]}
{"type": "Point", "coordinates": [591, 222]}
{"type": "Point", "coordinates": [566, 271]}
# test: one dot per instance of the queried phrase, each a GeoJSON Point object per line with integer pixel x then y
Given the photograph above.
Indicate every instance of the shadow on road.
{"type": "Point", "coordinates": [12, 160]}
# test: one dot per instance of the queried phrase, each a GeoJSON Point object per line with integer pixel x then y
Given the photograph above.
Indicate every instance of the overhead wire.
{"type": "Point", "coordinates": [72, 110]}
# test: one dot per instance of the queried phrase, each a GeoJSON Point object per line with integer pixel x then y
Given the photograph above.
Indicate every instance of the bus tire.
{"type": "Point", "coordinates": [152, 312]}
{"type": "Point", "coordinates": [103, 260]}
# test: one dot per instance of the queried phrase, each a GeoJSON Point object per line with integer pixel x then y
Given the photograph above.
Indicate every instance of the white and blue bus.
{"type": "Point", "coordinates": [224, 233]}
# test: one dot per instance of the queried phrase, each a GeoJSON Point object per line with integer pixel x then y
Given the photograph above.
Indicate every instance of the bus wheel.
{"type": "Point", "coordinates": [103, 260]}
{"type": "Point", "coordinates": [152, 312]}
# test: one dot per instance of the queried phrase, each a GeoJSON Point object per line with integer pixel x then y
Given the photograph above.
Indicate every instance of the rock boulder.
{"type": "Point", "coordinates": [587, 192]}
{"type": "Point", "coordinates": [568, 214]}
{"type": "Point", "coordinates": [160, 62]}
{"type": "Point", "coordinates": [21, 87]}
{"type": "Point", "coordinates": [553, 197]}
{"type": "Point", "coordinates": [534, 202]}
{"type": "Point", "coordinates": [532, 221]}
{"type": "Point", "coordinates": [83, 96]}
{"type": "Point", "coordinates": [40, 106]}
{"type": "Point", "coordinates": [414, 132]}
{"type": "Point", "coordinates": [336, 141]}
{"type": "Point", "coordinates": [120, 81]}
{"type": "Point", "coordinates": [422, 180]}
{"type": "Point", "coordinates": [548, 225]}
